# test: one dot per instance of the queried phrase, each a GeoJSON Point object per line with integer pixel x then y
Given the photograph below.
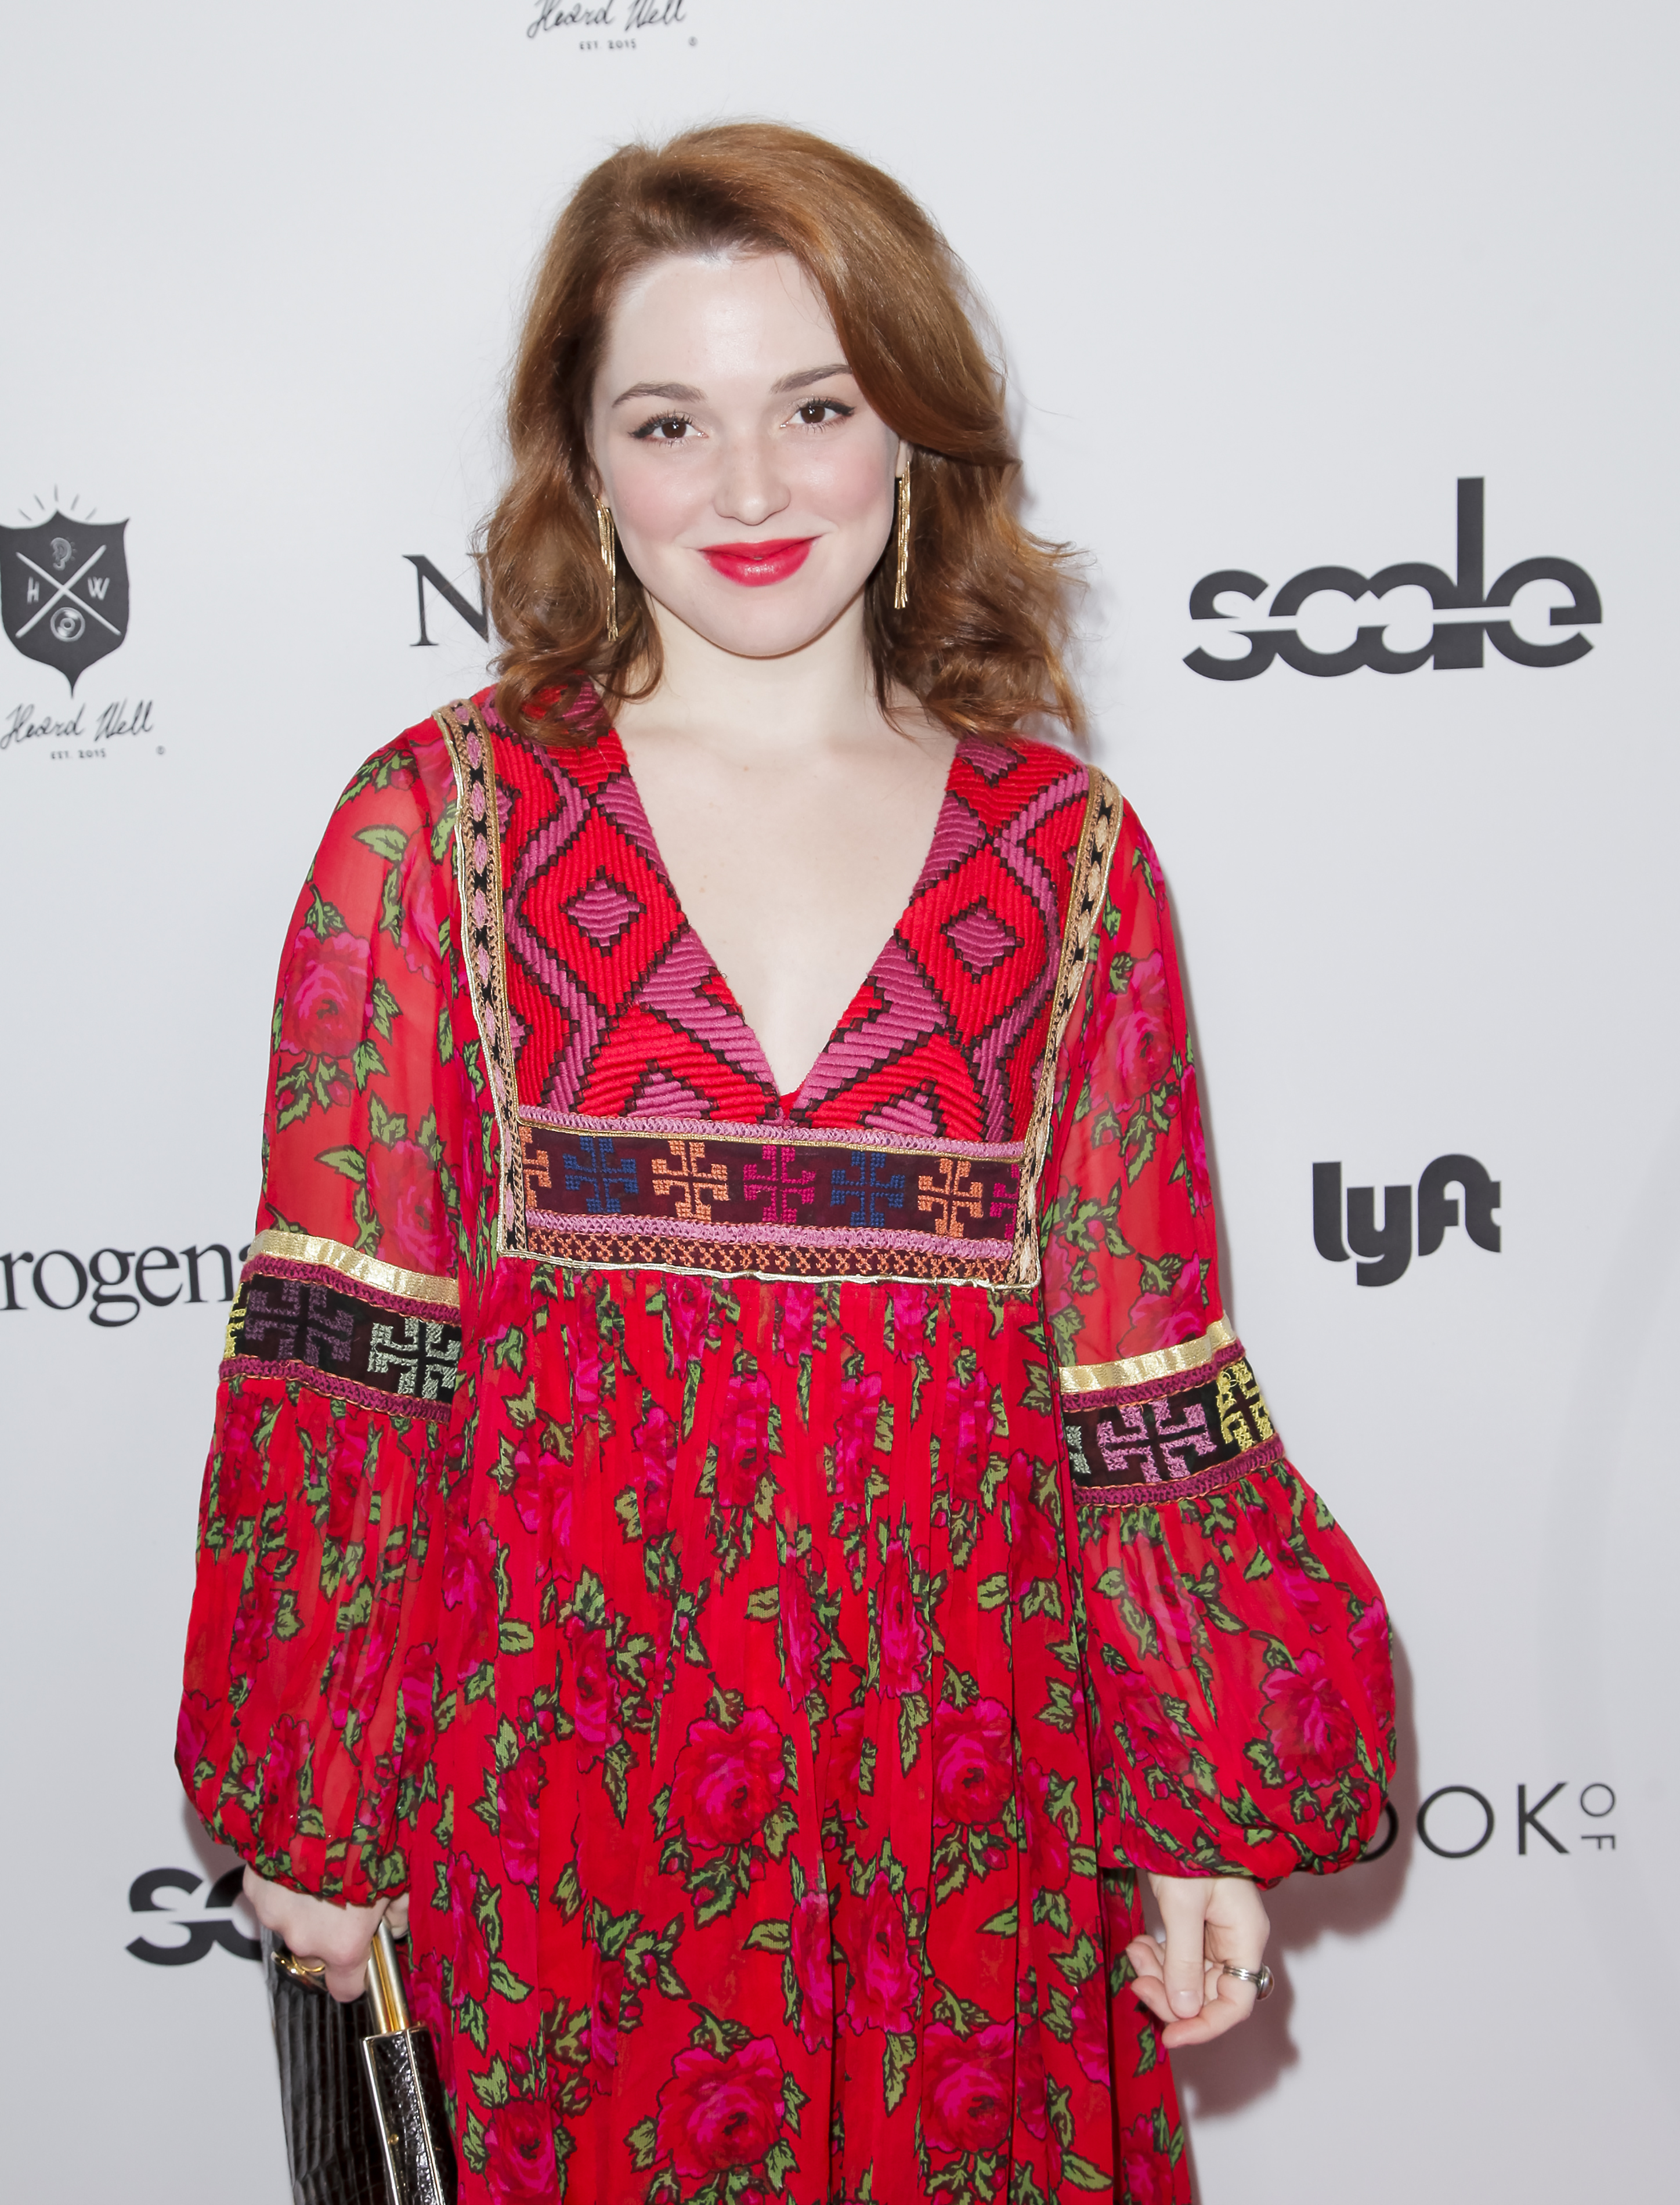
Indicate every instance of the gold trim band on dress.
{"type": "Point", "coordinates": [1144, 1369]}
{"type": "Point", "coordinates": [1098, 839]}
{"type": "Point", "coordinates": [351, 1264]}
{"type": "Point", "coordinates": [478, 883]}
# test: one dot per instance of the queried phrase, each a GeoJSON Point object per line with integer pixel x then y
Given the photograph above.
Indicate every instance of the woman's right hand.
{"type": "Point", "coordinates": [315, 1929]}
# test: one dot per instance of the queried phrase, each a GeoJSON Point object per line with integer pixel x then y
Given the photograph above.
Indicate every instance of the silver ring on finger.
{"type": "Point", "coordinates": [1261, 1978]}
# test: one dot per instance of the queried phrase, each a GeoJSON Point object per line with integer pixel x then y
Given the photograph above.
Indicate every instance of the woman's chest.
{"type": "Point", "coordinates": [793, 870]}
{"type": "Point", "coordinates": [642, 1124]}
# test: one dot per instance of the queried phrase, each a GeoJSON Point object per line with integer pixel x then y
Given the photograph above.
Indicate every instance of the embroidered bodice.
{"type": "Point", "coordinates": [619, 1042]}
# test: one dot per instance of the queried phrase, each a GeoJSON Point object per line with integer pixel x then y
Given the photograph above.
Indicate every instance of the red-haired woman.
{"type": "Point", "coordinates": [735, 1499]}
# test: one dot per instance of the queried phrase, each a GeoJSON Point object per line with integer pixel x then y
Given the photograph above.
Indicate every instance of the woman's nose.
{"type": "Point", "coordinates": [750, 488]}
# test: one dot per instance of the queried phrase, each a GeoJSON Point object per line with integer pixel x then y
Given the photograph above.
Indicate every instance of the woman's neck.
{"type": "Point", "coordinates": [820, 697]}
{"type": "Point", "coordinates": [793, 819]}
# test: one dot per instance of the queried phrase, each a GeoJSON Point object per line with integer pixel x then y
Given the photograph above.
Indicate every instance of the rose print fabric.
{"type": "Point", "coordinates": [1235, 1646]}
{"type": "Point", "coordinates": [767, 1727]}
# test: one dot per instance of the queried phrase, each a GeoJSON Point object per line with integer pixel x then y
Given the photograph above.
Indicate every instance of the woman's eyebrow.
{"type": "Point", "coordinates": [685, 392]}
{"type": "Point", "coordinates": [806, 376]}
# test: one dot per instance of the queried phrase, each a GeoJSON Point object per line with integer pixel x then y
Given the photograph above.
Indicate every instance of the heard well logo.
{"type": "Point", "coordinates": [64, 591]}
{"type": "Point", "coordinates": [1386, 1249]}
{"type": "Point", "coordinates": [1459, 601]}
{"type": "Point", "coordinates": [615, 23]}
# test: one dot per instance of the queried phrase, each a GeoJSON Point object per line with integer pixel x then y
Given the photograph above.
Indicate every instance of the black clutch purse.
{"type": "Point", "coordinates": [359, 2095]}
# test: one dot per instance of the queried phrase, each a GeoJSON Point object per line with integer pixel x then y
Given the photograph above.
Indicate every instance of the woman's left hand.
{"type": "Point", "coordinates": [1210, 1920]}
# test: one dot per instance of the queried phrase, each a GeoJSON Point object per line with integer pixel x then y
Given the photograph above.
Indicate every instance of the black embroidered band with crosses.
{"type": "Point", "coordinates": [1173, 1437]}
{"type": "Point", "coordinates": [778, 1200]}
{"type": "Point", "coordinates": [358, 1345]}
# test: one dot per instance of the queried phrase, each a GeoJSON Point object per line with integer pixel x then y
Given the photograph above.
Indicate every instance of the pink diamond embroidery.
{"type": "Point", "coordinates": [916, 1113]}
{"type": "Point", "coordinates": [603, 911]}
{"type": "Point", "coordinates": [660, 1094]}
{"type": "Point", "coordinates": [980, 938]}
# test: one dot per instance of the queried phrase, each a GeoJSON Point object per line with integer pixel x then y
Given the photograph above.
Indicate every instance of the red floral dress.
{"type": "Point", "coordinates": [764, 1574]}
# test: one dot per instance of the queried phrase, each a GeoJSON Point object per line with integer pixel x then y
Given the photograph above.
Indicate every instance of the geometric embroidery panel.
{"type": "Point", "coordinates": [356, 1345]}
{"type": "Point", "coordinates": [1195, 1431]}
{"type": "Point", "coordinates": [802, 1202]}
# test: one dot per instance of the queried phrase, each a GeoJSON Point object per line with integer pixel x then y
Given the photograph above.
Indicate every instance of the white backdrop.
{"type": "Point", "coordinates": [1270, 282]}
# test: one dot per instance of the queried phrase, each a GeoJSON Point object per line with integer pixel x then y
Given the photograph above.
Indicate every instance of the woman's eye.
{"type": "Point", "coordinates": [665, 429]}
{"type": "Point", "coordinates": [816, 413]}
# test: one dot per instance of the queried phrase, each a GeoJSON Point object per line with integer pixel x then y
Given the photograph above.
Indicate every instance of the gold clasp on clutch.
{"type": "Point", "coordinates": [307, 1971]}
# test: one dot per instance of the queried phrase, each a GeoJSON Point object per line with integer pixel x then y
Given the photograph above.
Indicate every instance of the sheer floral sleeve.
{"type": "Point", "coordinates": [1238, 1647]}
{"type": "Point", "coordinates": [299, 1718]}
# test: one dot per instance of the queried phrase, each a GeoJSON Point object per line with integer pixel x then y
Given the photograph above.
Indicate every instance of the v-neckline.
{"type": "Point", "coordinates": [717, 982]}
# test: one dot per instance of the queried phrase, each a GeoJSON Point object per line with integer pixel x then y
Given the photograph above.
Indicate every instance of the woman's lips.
{"type": "Point", "coordinates": [755, 564]}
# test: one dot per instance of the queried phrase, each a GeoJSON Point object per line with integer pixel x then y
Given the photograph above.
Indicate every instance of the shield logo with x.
{"type": "Point", "coordinates": [64, 592]}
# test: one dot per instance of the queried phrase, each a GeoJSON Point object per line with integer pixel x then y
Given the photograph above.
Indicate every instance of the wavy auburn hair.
{"type": "Point", "coordinates": [981, 643]}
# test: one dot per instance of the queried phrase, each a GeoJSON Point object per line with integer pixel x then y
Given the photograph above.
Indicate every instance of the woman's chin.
{"type": "Point", "coordinates": [752, 624]}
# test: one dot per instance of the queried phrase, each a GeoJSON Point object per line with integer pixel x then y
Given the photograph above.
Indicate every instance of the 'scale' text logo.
{"type": "Point", "coordinates": [1386, 1249]}
{"type": "Point", "coordinates": [206, 1919]}
{"type": "Point", "coordinates": [1454, 642]}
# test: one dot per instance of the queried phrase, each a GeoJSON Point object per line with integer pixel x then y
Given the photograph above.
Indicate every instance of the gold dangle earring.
{"type": "Point", "coordinates": [901, 586]}
{"type": "Point", "coordinates": [604, 522]}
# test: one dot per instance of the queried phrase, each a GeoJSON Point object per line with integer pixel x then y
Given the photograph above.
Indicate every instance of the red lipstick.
{"type": "Point", "coordinates": [754, 565]}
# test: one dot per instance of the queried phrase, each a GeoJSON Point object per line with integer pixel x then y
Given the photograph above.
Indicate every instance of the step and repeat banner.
{"type": "Point", "coordinates": [1342, 340]}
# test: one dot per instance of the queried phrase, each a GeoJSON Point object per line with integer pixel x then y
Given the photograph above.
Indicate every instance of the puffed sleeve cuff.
{"type": "Point", "coordinates": [309, 1697]}
{"type": "Point", "coordinates": [1238, 1668]}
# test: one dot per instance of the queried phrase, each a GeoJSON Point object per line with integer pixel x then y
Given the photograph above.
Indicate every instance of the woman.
{"type": "Point", "coordinates": [735, 1500]}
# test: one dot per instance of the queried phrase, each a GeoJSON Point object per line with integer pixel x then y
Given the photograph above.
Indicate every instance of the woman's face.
{"type": "Point", "coordinates": [750, 482]}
